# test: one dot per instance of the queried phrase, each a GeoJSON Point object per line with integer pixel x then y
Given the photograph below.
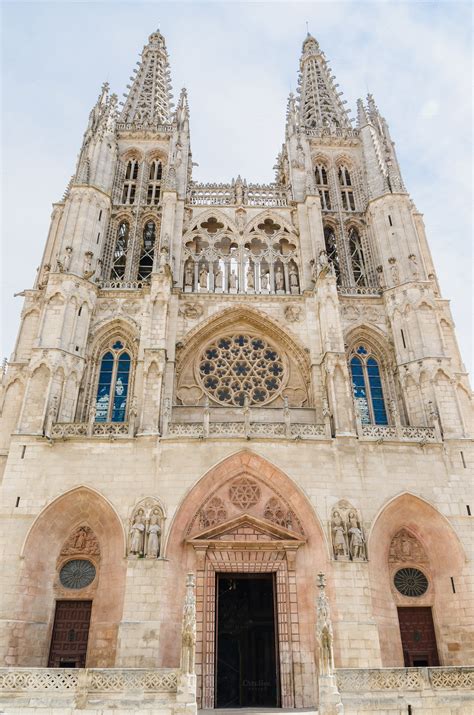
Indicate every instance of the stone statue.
{"type": "Point", "coordinates": [51, 417]}
{"type": "Point", "coordinates": [188, 275]}
{"type": "Point", "coordinates": [323, 262]}
{"type": "Point", "coordinates": [154, 538]}
{"type": "Point", "coordinates": [87, 271]}
{"type": "Point", "coordinates": [218, 279]}
{"type": "Point", "coordinates": [203, 273]}
{"type": "Point", "coordinates": [338, 529]}
{"type": "Point", "coordinates": [293, 277]}
{"type": "Point", "coordinates": [279, 279]}
{"type": "Point", "coordinates": [44, 275]}
{"type": "Point", "coordinates": [356, 537]}
{"type": "Point", "coordinates": [264, 281]}
{"type": "Point", "coordinates": [414, 267]}
{"type": "Point", "coordinates": [137, 533]}
{"type": "Point", "coordinates": [250, 278]}
{"type": "Point", "coordinates": [188, 632]}
{"type": "Point", "coordinates": [66, 264]}
{"type": "Point", "coordinates": [380, 277]}
{"type": "Point", "coordinates": [395, 271]}
{"type": "Point", "coordinates": [98, 270]}
{"type": "Point", "coordinates": [233, 280]}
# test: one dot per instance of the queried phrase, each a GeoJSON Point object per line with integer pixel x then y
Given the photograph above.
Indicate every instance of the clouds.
{"type": "Point", "coordinates": [238, 62]}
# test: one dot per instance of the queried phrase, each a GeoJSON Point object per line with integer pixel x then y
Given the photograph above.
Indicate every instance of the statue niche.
{"type": "Point", "coordinates": [347, 535]}
{"type": "Point", "coordinates": [146, 529]}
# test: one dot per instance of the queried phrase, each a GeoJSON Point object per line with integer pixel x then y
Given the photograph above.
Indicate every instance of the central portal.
{"type": "Point", "coordinates": [246, 643]}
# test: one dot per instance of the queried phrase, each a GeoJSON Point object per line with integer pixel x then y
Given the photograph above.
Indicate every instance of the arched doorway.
{"type": "Point", "coordinates": [245, 520]}
{"type": "Point", "coordinates": [416, 572]}
{"type": "Point", "coordinates": [72, 584]}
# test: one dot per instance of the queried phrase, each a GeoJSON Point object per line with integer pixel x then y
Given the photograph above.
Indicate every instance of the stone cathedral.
{"type": "Point", "coordinates": [218, 392]}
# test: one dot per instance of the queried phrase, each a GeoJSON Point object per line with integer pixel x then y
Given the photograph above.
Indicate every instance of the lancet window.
{"type": "Point", "coordinates": [356, 253]}
{"type": "Point", "coordinates": [322, 184]}
{"type": "Point", "coordinates": [119, 260]}
{"type": "Point", "coordinates": [264, 261]}
{"type": "Point", "coordinates": [112, 386]}
{"type": "Point", "coordinates": [130, 183]}
{"type": "Point", "coordinates": [145, 266]}
{"type": "Point", "coordinates": [346, 188]}
{"type": "Point", "coordinates": [331, 250]}
{"type": "Point", "coordinates": [154, 183]}
{"type": "Point", "coordinates": [367, 387]}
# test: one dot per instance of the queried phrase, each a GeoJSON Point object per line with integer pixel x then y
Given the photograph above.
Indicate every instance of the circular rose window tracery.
{"type": "Point", "coordinates": [410, 582]}
{"type": "Point", "coordinates": [234, 366]}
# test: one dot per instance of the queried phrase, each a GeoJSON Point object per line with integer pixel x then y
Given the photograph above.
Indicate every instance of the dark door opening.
{"type": "Point", "coordinates": [246, 644]}
{"type": "Point", "coordinates": [70, 634]}
{"type": "Point", "coordinates": [418, 637]}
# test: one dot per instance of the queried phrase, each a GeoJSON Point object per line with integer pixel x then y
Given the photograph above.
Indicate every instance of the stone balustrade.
{"type": "Point", "coordinates": [122, 285]}
{"type": "Point", "coordinates": [64, 690]}
{"type": "Point", "coordinates": [252, 429]}
{"type": "Point", "coordinates": [399, 432]}
{"type": "Point", "coordinates": [63, 430]}
{"type": "Point", "coordinates": [269, 195]}
{"type": "Point", "coordinates": [358, 290]}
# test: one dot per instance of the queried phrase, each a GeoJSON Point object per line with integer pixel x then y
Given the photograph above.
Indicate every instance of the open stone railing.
{"type": "Point", "coordinates": [358, 290]}
{"type": "Point", "coordinates": [241, 429]}
{"type": "Point", "coordinates": [361, 680]}
{"type": "Point", "coordinates": [332, 132]}
{"type": "Point", "coordinates": [225, 195]}
{"type": "Point", "coordinates": [63, 430]}
{"type": "Point", "coordinates": [401, 432]}
{"type": "Point", "coordinates": [116, 680]}
{"type": "Point", "coordinates": [122, 285]}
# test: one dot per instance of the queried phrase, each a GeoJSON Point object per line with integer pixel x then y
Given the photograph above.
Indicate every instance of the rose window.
{"type": "Point", "coordinates": [237, 366]}
{"type": "Point", "coordinates": [410, 582]}
{"type": "Point", "coordinates": [77, 573]}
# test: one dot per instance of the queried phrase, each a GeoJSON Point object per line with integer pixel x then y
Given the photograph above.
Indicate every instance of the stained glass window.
{"type": "Point", "coordinates": [367, 387]}
{"type": "Point", "coordinates": [112, 388]}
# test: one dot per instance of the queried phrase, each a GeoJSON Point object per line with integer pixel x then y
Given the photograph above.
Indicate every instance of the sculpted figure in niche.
{"type": "Point", "coordinates": [203, 278]}
{"type": "Point", "coordinates": [233, 280]}
{"type": "Point", "coordinates": [339, 541]}
{"type": "Point", "coordinates": [356, 537]}
{"type": "Point", "coordinates": [137, 533]}
{"type": "Point", "coordinates": [264, 281]}
{"type": "Point", "coordinates": [218, 279]}
{"type": "Point", "coordinates": [250, 278]}
{"type": "Point", "coordinates": [279, 280]}
{"type": "Point", "coordinates": [293, 277]}
{"type": "Point", "coordinates": [154, 538]}
{"type": "Point", "coordinates": [188, 275]}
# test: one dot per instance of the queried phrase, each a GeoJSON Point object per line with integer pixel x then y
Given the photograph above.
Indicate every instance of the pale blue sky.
{"type": "Point", "coordinates": [238, 61]}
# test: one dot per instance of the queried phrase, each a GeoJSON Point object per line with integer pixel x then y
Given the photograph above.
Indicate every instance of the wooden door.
{"type": "Point", "coordinates": [418, 637]}
{"type": "Point", "coordinates": [70, 634]}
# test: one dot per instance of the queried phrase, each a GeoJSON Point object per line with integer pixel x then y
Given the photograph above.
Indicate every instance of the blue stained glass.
{"type": "Point", "coordinates": [121, 388]}
{"type": "Point", "coordinates": [378, 404]}
{"type": "Point", "coordinates": [362, 351]}
{"type": "Point", "coordinates": [103, 388]}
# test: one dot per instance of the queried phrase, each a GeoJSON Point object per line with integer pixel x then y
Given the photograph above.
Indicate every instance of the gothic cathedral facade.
{"type": "Point", "coordinates": [250, 383]}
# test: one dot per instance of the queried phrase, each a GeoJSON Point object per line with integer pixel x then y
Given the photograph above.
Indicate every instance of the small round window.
{"type": "Point", "coordinates": [77, 573]}
{"type": "Point", "coordinates": [410, 582]}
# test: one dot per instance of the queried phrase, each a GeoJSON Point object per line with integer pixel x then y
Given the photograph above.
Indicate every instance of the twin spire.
{"type": "Point", "coordinates": [319, 104]}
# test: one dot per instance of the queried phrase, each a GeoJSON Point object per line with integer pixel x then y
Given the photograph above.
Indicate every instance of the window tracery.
{"type": "Point", "coordinates": [264, 261]}
{"type": "Point", "coordinates": [130, 183]}
{"type": "Point", "coordinates": [154, 183]}
{"type": "Point", "coordinates": [331, 250]}
{"type": "Point", "coordinates": [322, 184]}
{"type": "Point", "coordinates": [147, 253]}
{"type": "Point", "coordinates": [346, 189]}
{"type": "Point", "coordinates": [367, 387]}
{"type": "Point", "coordinates": [120, 252]}
{"type": "Point", "coordinates": [236, 368]}
{"type": "Point", "coordinates": [358, 265]}
{"type": "Point", "coordinates": [112, 387]}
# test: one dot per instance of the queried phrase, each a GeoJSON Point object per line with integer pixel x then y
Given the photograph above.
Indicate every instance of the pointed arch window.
{"type": "Point", "coordinates": [145, 266]}
{"type": "Point", "coordinates": [356, 252]}
{"type": "Point", "coordinates": [367, 387]}
{"type": "Point", "coordinates": [321, 176]}
{"type": "Point", "coordinates": [154, 183]}
{"type": "Point", "coordinates": [112, 387]}
{"type": "Point", "coordinates": [331, 250]}
{"type": "Point", "coordinates": [347, 191]}
{"type": "Point", "coordinates": [130, 183]}
{"type": "Point", "coordinates": [120, 252]}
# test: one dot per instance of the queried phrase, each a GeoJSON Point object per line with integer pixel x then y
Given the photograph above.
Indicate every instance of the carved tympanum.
{"type": "Point", "coordinates": [405, 547]}
{"type": "Point", "coordinates": [81, 541]}
{"type": "Point", "coordinates": [347, 534]}
{"type": "Point", "coordinates": [244, 492]}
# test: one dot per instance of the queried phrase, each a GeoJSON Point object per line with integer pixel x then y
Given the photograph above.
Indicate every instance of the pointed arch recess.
{"type": "Point", "coordinates": [39, 583]}
{"type": "Point", "coordinates": [446, 559]}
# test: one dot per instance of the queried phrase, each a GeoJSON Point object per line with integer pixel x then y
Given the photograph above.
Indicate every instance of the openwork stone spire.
{"type": "Point", "coordinates": [320, 105]}
{"type": "Point", "coordinates": [149, 97]}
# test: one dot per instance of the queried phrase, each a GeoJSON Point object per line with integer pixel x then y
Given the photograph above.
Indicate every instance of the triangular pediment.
{"type": "Point", "coordinates": [246, 528]}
